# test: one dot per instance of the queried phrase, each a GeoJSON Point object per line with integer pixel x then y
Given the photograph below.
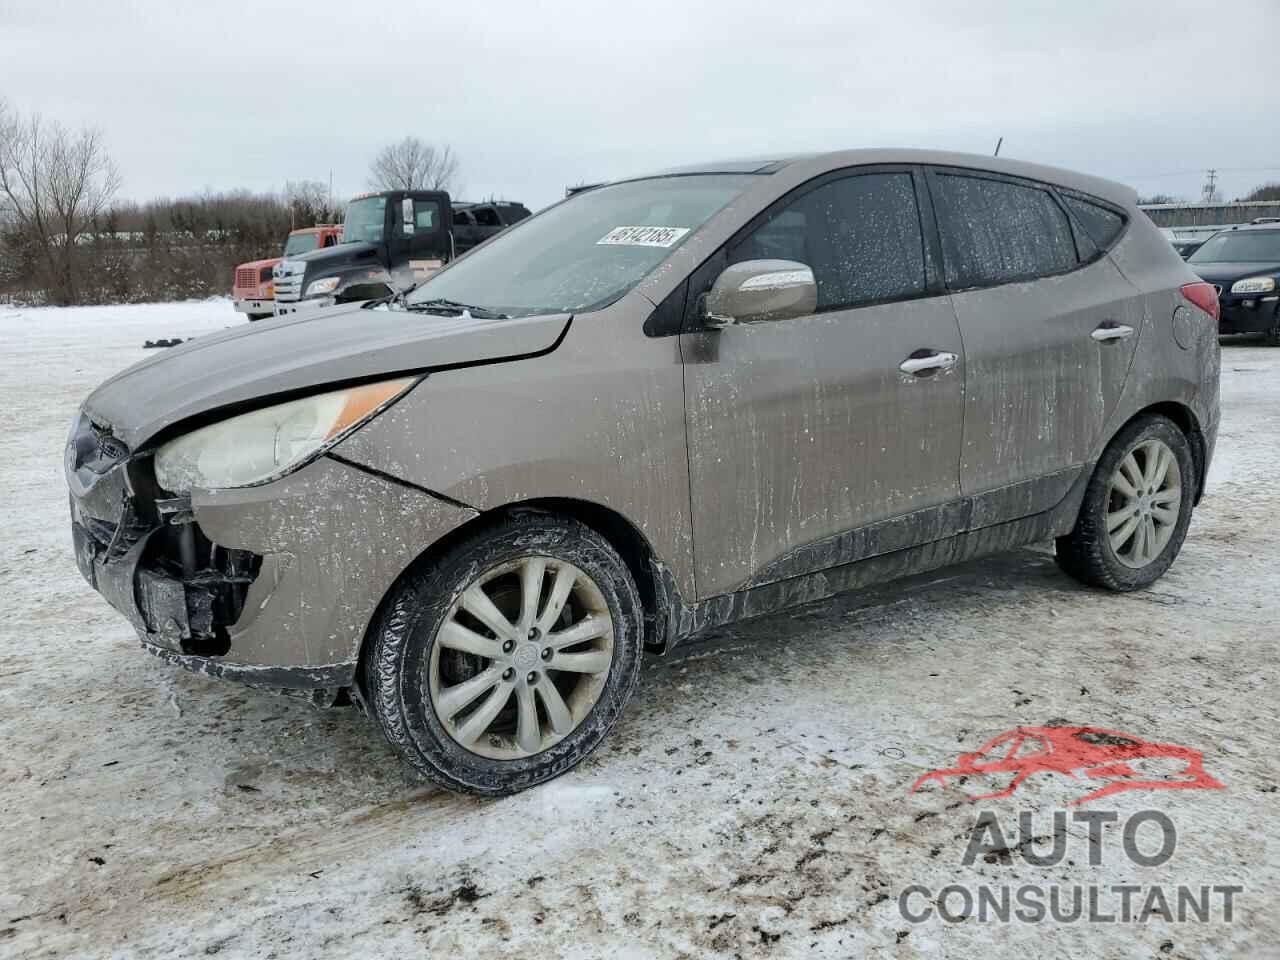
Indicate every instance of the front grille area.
{"type": "Point", "coordinates": [115, 538]}
{"type": "Point", "coordinates": [147, 554]}
{"type": "Point", "coordinates": [246, 277]}
{"type": "Point", "coordinates": [289, 288]}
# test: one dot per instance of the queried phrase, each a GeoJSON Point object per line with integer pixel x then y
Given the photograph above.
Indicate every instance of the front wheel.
{"type": "Point", "coordinates": [1136, 509]}
{"type": "Point", "coordinates": [507, 661]}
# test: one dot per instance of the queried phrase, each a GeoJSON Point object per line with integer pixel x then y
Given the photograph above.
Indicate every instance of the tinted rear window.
{"type": "Point", "coordinates": [994, 231]}
{"type": "Point", "coordinates": [1102, 225]}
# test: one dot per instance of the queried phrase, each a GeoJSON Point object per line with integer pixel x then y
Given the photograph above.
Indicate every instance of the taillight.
{"type": "Point", "coordinates": [1204, 296]}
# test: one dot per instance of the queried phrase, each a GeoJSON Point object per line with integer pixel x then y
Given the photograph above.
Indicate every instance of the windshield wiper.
{"type": "Point", "coordinates": [454, 307]}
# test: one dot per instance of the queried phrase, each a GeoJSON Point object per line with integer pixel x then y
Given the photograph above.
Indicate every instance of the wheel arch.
{"type": "Point", "coordinates": [1185, 419]}
{"type": "Point", "coordinates": [658, 592]}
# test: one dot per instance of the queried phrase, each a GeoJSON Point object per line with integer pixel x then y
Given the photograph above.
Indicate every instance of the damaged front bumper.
{"type": "Point", "coordinates": [272, 586]}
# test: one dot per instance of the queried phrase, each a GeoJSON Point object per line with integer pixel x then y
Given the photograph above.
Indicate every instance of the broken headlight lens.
{"type": "Point", "coordinates": [266, 444]}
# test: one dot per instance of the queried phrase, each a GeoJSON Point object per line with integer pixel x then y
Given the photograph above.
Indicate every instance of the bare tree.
{"type": "Point", "coordinates": [309, 203]}
{"type": "Point", "coordinates": [55, 184]}
{"type": "Point", "coordinates": [413, 164]}
{"type": "Point", "coordinates": [1267, 191]}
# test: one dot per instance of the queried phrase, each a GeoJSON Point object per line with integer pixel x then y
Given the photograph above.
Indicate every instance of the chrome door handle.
{"type": "Point", "coordinates": [1112, 331]}
{"type": "Point", "coordinates": [934, 361]}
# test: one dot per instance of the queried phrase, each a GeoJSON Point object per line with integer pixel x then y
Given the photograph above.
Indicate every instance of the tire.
{"type": "Point", "coordinates": [253, 317]}
{"type": "Point", "coordinates": [426, 645]}
{"type": "Point", "coordinates": [1090, 553]}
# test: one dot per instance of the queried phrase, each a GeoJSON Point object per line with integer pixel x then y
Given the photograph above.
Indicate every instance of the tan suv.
{"type": "Point", "coordinates": [659, 406]}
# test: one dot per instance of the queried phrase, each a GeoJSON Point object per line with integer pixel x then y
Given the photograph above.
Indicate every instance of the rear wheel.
{"type": "Point", "coordinates": [1136, 509]}
{"type": "Point", "coordinates": [508, 660]}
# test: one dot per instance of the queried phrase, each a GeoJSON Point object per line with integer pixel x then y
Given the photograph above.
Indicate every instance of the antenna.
{"type": "Point", "coordinates": [998, 143]}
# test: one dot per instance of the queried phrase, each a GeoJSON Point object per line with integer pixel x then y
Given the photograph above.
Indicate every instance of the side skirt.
{"type": "Point", "coordinates": [688, 620]}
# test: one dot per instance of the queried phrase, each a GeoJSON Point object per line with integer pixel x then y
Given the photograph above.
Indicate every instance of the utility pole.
{"type": "Point", "coordinates": [1210, 191]}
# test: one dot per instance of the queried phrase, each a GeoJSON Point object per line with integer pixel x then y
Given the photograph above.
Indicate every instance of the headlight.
{"type": "Point", "coordinates": [327, 285]}
{"type": "Point", "coordinates": [1254, 285]}
{"type": "Point", "coordinates": [263, 445]}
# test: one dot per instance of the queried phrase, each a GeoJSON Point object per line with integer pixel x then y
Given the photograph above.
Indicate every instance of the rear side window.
{"type": "Point", "coordinates": [995, 232]}
{"type": "Point", "coordinates": [1102, 225]}
{"type": "Point", "coordinates": [487, 217]}
{"type": "Point", "coordinates": [860, 235]}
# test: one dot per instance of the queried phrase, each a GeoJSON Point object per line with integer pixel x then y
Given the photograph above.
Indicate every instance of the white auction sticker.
{"type": "Point", "coordinates": [643, 236]}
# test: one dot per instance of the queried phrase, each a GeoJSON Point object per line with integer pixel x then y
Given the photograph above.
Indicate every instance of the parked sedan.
{"type": "Point", "coordinates": [660, 406]}
{"type": "Point", "coordinates": [1243, 264]}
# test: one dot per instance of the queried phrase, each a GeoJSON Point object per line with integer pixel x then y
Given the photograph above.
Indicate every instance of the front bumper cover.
{"type": "Point", "coordinates": [328, 542]}
{"type": "Point", "coordinates": [1248, 314]}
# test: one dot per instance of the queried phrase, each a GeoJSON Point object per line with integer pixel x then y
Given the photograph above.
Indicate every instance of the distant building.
{"type": "Point", "coordinates": [1199, 220]}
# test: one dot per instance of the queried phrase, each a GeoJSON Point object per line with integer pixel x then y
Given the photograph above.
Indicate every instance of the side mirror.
{"type": "Point", "coordinates": [758, 290]}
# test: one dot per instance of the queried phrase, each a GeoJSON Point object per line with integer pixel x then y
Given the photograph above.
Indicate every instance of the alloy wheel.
{"type": "Point", "coordinates": [1143, 503]}
{"type": "Point", "coordinates": [521, 658]}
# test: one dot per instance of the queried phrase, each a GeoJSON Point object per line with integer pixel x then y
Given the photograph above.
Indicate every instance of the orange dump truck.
{"type": "Point", "coordinates": [252, 287]}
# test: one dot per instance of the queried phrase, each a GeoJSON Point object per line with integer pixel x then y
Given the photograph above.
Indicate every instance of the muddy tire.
{"type": "Point", "coordinates": [505, 662]}
{"type": "Point", "coordinates": [1136, 509]}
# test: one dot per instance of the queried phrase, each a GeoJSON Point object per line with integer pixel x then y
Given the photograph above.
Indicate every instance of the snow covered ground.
{"type": "Point", "coordinates": [754, 801]}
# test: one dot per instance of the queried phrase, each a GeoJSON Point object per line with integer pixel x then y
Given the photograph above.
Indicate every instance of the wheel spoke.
{"type": "Point", "coordinates": [1117, 517]}
{"type": "Point", "coordinates": [528, 730]}
{"type": "Point", "coordinates": [1121, 536]}
{"type": "Point", "coordinates": [1131, 472]}
{"type": "Point", "coordinates": [1167, 495]}
{"type": "Point", "coordinates": [1121, 483]}
{"type": "Point", "coordinates": [1148, 538]}
{"type": "Point", "coordinates": [452, 699]}
{"type": "Point", "coordinates": [477, 603]}
{"type": "Point", "coordinates": [1155, 464]}
{"type": "Point", "coordinates": [589, 661]}
{"type": "Point", "coordinates": [476, 724]}
{"type": "Point", "coordinates": [531, 576]}
{"type": "Point", "coordinates": [557, 711]}
{"type": "Point", "coordinates": [588, 628]}
{"type": "Point", "coordinates": [560, 590]}
{"type": "Point", "coordinates": [457, 637]}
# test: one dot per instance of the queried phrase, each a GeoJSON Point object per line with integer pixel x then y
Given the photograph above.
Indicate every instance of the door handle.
{"type": "Point", "coordinates": [1112, 331]}
{"type": "Point", "coordinates": [921, 365]}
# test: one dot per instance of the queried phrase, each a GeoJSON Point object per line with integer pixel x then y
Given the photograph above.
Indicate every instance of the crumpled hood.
{"type": "Point", "coordinates": [1223, 272]}
{"type": "Point", "coordinates": [303, 352]}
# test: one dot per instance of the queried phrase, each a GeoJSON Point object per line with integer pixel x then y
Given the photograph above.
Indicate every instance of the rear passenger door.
{"type": "Point", "coordinates": [1048, 336]}
{"type": "Point", "coordinates": [805, 433]}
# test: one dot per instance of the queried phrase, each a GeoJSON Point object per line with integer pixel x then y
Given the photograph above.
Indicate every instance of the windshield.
{"type": "Point", "coordinates": [364, 221]}
{"type": "Point", "coordinates": [301, 243]}
{"type": "Point", "coordinates": [1240, 246]}
{"type": "Point", "coordinates": [586, 252]}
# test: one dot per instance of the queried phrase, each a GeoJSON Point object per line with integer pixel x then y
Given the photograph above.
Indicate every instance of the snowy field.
{"type": "Point", "coordinates": [754, 801]}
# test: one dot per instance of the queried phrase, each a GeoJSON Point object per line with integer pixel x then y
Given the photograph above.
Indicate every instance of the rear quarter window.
{"type": "Point", "coordinates": [1101, 225]}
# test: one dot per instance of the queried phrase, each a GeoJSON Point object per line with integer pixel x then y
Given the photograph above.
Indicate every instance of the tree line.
{"type": "Point", "coordinates": [67, 238]}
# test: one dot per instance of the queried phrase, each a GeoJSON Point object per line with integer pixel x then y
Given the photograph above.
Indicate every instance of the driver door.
{"type": "Point", "coordinates": [809, 444]}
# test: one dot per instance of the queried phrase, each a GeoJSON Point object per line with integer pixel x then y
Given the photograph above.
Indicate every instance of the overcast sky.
{"type": "Point", "coordinates": [218, 94]}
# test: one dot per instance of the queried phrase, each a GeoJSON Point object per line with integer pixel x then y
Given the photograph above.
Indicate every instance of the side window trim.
{"type": "Point", "coordinates": [932, 174]}
{"type": "Point", "coordinates": [702, 276]}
